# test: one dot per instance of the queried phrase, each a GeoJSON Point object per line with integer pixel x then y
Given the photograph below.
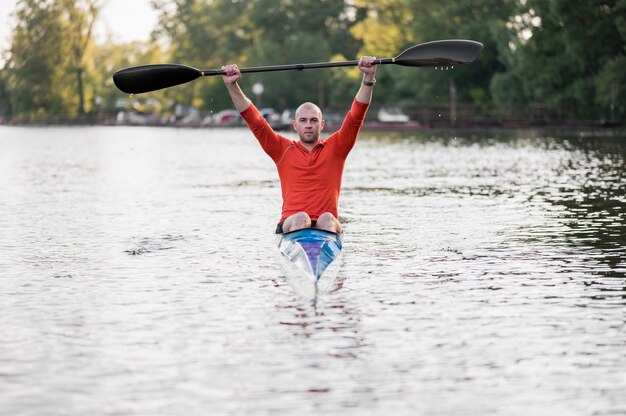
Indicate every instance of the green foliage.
{"type": "Point", "coordinates": [506, 88]}
{"type": "Point", "coordinates": [559, 53]}
{"type": "Point", "coordinates": [610, 84]}
{"type": "Point", "coordinates": [46, 65]}
{"type": "Point", "coordinates": [204, 34]}
{"type": "Point", "coordinates": [79, 17]}
{"type": "Point", "coordinates": [36, 62]}
{"type": "Point", "coordinates": [263, 32]}
{"type": "Point", "coordinates": [568, 52]}
{"type": "Point", "coordinates": [106, 59]}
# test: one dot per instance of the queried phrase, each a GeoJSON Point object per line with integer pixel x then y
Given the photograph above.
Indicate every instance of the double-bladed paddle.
{"type": "Point", "coordinates": [146, 78]}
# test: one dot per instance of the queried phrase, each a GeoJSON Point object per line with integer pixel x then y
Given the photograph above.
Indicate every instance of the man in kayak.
{"type": "Point", "coordinates": [310, 169]}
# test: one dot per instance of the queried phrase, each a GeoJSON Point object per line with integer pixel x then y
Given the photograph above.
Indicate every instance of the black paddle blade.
{"type": "Point", "coordinates": [440, 52]}
{"type": "Point", "coordinates": [146, 78]}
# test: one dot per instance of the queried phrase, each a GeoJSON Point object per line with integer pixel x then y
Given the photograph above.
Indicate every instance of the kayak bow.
{"type": "Point", "coordinates": [309, 253]}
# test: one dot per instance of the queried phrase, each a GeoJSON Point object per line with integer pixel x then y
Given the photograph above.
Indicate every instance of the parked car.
{"type": "Point", "coordinates": [287, 116]}
{"type": "Point", "coordinates": [392, 115]}
{"type": "Point", "coordinates": [227, 118]}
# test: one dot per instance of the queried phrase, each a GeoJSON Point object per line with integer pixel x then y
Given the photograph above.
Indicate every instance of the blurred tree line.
{"type": "Point", "coordinates": [554, 53]}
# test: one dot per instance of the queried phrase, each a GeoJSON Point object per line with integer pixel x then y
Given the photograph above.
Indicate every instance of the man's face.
{"type": "Point", "coordinates": [308, 124]}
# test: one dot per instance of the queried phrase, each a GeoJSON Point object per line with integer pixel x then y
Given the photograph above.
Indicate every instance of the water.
{"type": "Point", "coordinates": [483, 274]}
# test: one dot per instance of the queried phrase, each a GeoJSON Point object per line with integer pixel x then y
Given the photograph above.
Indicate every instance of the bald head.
{"type": "Point", "coordinates": [309, 106]}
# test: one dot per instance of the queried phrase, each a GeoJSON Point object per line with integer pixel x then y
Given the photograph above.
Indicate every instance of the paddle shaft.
{"type": "Point", "coordinates": [295, 67]}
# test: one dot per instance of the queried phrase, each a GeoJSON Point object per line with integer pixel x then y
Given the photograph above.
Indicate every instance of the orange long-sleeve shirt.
{"type": "Point", "coordinates": [310, 181]}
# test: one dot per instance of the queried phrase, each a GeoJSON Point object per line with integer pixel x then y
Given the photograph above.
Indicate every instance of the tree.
{"type": "Point", "coordinates": [35, 66]}
{"type": "Point", "coordinates": [262, 32]}
{"type": "Point", "coordinates": [393, 25]}
{"type": "Point", "coordinates": [481, 20]}
{"type": "Point", "coordinates": [571, 53]}
{"type": "Point", "coordinates": [110, 57]}
{"type": "Point", "coordinates": [79, 18]}
{"type": "Point", "coordinates": [205, 35]}
{"type": "Point", "coordinates": [48, 50]}
{"type": "Point", "coordinates": [302, 31]}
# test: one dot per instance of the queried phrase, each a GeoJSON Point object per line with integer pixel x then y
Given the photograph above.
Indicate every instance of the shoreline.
{"type": "Point", "coordinates": [367, 125]}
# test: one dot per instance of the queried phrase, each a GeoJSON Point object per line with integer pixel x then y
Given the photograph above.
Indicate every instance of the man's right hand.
{"type": "Point", "coordinates": [230, 77]}
{"type": "Point", "coordinates": [231, 74]}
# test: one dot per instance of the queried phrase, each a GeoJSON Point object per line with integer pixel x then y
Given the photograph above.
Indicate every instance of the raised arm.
{"type": "Point", "coordinates": [367, 66]}
{"type": "Point", "coordinates": [231, 76]}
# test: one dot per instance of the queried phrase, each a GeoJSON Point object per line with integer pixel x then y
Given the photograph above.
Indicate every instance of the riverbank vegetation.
{"type": "Point", "coordinates": [544, 61]}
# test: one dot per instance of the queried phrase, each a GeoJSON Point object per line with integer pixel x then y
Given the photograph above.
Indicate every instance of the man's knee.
{"type": "Point", "coordinates": [327, 221]}
{"type": "Point", "coordinates": [297, 222]}
{"type": "Point", "coordinates": [326, 217]}
{"type": "Point", "coordinates": [301, 218]}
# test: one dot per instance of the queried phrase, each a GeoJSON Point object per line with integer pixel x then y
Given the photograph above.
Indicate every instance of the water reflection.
{"type": "Point", "coordinates": [576, 184]}
{"type": "Point", "coordinates": [335, 324]}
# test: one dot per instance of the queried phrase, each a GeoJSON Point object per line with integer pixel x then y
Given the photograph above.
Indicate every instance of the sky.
{"type": "Point", "coordinates": [127, 20]}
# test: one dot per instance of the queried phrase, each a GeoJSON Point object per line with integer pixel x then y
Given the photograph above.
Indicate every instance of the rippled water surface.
{"type": "Point", "coordinates": [484, 274]}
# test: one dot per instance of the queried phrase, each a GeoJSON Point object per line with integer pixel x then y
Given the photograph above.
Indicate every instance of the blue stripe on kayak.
{"type": "Point", "coordinates": [321, 247]}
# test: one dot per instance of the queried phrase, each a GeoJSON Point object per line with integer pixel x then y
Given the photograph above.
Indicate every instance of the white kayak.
{"type": "Point", "coordinates": [310, 258]}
